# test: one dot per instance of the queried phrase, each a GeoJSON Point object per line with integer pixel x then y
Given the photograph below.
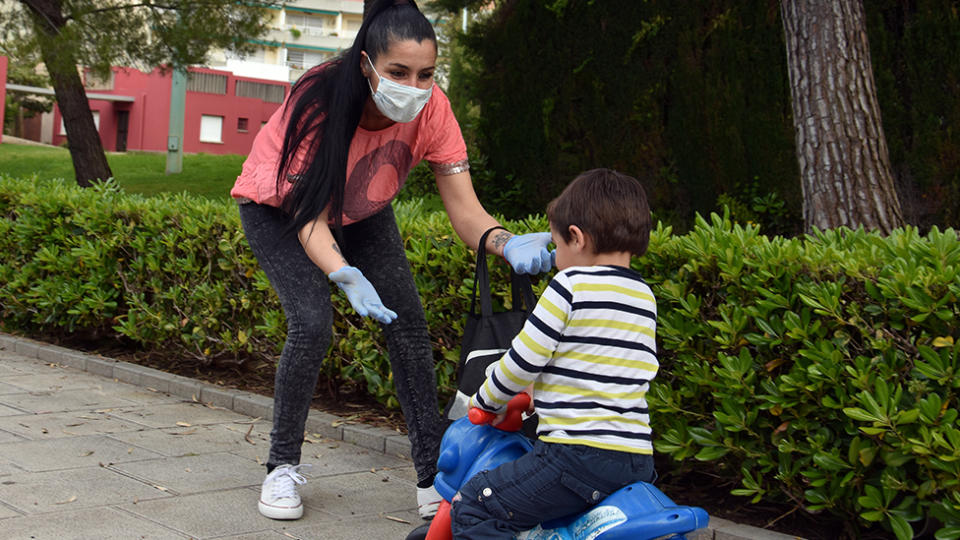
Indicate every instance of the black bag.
{"type": "Point", "coordinates": [487, 335]}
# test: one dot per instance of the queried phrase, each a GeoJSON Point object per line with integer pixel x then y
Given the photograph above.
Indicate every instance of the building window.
{"type": "Point", "coordinates": [211, 129]}
{"type": "Point", "coordinates": [242, 124]}
{"type": "Point", "coordinates": [96, 122]}
{"type": "Point", "coordinates": [271, 93]}
{"type": "Point", "coordinates": [209, 83]}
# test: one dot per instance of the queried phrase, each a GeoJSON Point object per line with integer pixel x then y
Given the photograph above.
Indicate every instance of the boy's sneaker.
{"type": "Point", "coordinates": [278, 494]}
{"type": "Point", "coordinates": [428, 501]}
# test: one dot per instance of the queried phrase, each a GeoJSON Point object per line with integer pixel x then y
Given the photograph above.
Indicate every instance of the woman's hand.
{"type": "Point", "coordinates": [363, 297]}
{"type": "Point", "coordinates": [528, 254]}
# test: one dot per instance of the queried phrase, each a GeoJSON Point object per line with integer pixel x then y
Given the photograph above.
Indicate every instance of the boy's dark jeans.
{"type": "Point", "coordinates": [552, 481]}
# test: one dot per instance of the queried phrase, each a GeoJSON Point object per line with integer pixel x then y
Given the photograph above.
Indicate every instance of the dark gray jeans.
{"type": "Point", "coordinates": [375, 247]}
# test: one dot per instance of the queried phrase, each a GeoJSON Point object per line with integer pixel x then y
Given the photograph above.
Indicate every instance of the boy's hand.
{"type": "Point", "coordinates": [530, 408]}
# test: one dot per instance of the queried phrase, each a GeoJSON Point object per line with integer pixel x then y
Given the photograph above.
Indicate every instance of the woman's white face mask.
{"type": "Point", "coordinates": [398, 102]}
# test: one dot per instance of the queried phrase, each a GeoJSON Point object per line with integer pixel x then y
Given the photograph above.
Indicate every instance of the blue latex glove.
{"type": "Point", "coordinates": [528, 254]}
{"type": "Point", "coordinates": [363, 297]}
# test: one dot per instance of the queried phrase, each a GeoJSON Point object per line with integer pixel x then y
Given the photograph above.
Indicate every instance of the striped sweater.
{"type": "Point", "coordinates": [589, 347]}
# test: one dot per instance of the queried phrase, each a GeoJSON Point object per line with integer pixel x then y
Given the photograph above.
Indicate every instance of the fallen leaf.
{"type": "Point", "coordinates": [75, 425]}
{"type": "Point", "coordinates": [188, 432]}
{"type": "Point", "coordinates": [161, 488]}
{"type": "Point", "coordinates": [183, 424]}
{"type": "Point", "coordinates": [68, 501]}
{"type": "Point", "coordinates": [87, 453]}
{"type": "Point", "coordinates": [130, 450]}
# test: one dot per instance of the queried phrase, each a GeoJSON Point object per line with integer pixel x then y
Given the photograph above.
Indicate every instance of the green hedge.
{"type": "Point", "coordinates": [821, 370]}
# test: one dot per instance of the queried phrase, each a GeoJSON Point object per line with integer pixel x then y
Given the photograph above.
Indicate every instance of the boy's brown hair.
{"type": "Point", "coordinates": [609, 206]}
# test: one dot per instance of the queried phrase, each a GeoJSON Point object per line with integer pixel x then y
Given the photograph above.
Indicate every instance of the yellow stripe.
{"type": "Point", "coordinates": [587, 393]}
{"type": "Point", "coordinates": [490, 394]}
{"type": "Point", "coordinates": [552, 308]}
{"type": "Point", "coordinates": [516, 380]}
{"type": "Point", "coordinates": [606, 287]}
{"type": "Point", "coordinates": [554, 421]}
{"type": "Point", "coordinates": [535, 347]}
{"type": "Point", "coordinates": [618, 325]}
{"type": "Point", "coordinates": [610, 361]}
{"type": "Point", "coordinates": [597, 444]}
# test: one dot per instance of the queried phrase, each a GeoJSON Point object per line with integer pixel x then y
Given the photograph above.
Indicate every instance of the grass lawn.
{"type": "Point", "coordinates": [207, 175]}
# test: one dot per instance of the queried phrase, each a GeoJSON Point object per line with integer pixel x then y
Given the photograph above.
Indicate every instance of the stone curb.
{"type": "Point", "coordinates": [321, 423]}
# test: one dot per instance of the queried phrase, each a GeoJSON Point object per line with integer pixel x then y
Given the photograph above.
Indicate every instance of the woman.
{"type": "Point", "coordinates": [326, 167]}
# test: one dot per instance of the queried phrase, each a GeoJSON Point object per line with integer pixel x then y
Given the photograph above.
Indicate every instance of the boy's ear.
{"type": "Point", "coordinates": [578, 239]}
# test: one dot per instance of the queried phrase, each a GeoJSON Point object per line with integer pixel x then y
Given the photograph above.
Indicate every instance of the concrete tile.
{"type": "Point", "coordinates": [260, 535]}
{"type": "Point", "coordinates": [224, 513]}
{"type": "Point", "coordinates": [34, 493]}
{"type": "Point", "coordinates": [86, 524]}
{"type": "Point", "coordinates": [181, 441]}
{"type": "Point", "coordinates": [71, 452]}
{"type": "Point", "coordinates": [397, 445]}
{"type": "Point", "coordinates": [196, 473]}
{"type": "Point", "coordinates": [253, 405]}
{"type": "Point", "coordinates": [75, 360]}
{"type": "Point", "coordinates": [53, 380]}
{"type": "Point", "coordinates": [64, 400]}
{"type": "Point", "coordinates": [7, 468]}
{"type": "Point", "coordinates": [221, 397]}
{"type": "Point", "coordinates": [23, 347]}
{"type": "Point", "coordinates": [134, 394]}
{"type": "Point", "coordinates": [359, 494]}
{"type": "Point", "coordinates": [379, 526]}
{"type": "Point", "coordinates": [55, 425]}
{"type": "Point", "coordinates": [9, 411]}
{"type": "Point", "coordinates": [101, 366]}
{"type": "Point", "coordinates": [9, 389]}
{"type": "Point", "coordinates": [51, 353]}
{"type": "Point", "coordinates": [11, 362]}
{"type": "Point", "coordinates": [167, 415]}
{"type": "Point", "coordinates": [6, 436]}
{"type": "Point", "coordinates": [365, 436]}
{"type": "Point", "coordinates": [333, 457]}
{"type": "Point", "coordinates": [6, 512]}
{"type": "Point", "coordinates": [325, 424]}
{"type": "Point", "coordinates": [184, 387]}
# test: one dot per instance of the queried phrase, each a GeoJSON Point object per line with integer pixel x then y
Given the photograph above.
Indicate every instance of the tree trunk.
{"type": "Point", "coordinates": [86, 149]}
{"type": "Point", "coordinates": [844, 163]}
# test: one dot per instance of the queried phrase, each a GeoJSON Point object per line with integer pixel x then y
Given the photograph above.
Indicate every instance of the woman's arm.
{"type": "Point", "coordinates": [467, 215]}
{"type": "Point", "coordinates": [527, 253]}
{"type": "Point", "coordinates": [318, 242]}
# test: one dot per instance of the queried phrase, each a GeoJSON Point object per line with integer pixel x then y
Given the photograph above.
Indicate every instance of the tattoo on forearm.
{"type": "Point", "coordinates": [337, 249]}
{"type": "Point", "coordinates": [501, 238]}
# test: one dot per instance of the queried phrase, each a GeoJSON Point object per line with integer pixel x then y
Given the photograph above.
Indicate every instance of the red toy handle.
{"type": "Point", "coordinates": [514, 418]}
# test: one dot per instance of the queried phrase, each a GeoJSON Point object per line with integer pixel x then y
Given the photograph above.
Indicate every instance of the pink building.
{"type": "Point", "coordinates": [222, 116]}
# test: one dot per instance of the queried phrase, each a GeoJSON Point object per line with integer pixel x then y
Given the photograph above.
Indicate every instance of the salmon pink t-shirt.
{"type": "Point", "coordinates": [377, 165]}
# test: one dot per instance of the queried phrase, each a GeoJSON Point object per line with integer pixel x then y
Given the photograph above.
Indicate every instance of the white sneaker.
{"type": "Point", "coordinates": [278, 494]}
{"type": "Point", "coordinates": [428, 501]}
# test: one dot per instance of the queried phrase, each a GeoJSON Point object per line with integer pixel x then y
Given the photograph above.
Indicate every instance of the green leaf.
{"type": "Point", "coordinates": [711, 453]}
{"type": "Point", "coordinates": [901, 528]}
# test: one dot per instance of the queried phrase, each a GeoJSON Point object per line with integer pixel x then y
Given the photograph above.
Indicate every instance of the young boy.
{"type": "Point", "coordinates": [588, 348]}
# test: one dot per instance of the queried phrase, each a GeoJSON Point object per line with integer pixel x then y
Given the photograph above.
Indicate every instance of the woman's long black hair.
{"type": "Point", "coordinates": [326, 104]}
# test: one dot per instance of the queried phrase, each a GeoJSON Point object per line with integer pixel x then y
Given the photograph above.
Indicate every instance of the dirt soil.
{"type": "Point", "coordinates": [707, 490]}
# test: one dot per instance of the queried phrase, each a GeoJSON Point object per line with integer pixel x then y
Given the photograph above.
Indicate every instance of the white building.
{"type": "Point", "coordinates": [303, 33]}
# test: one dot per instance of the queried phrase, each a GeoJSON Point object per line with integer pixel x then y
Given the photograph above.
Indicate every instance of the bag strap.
{"type": "Point", "coordinates": [520, 286]}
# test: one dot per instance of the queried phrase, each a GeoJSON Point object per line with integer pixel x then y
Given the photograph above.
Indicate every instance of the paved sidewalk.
{"type": "Point", "coordinates": [95, 448]}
